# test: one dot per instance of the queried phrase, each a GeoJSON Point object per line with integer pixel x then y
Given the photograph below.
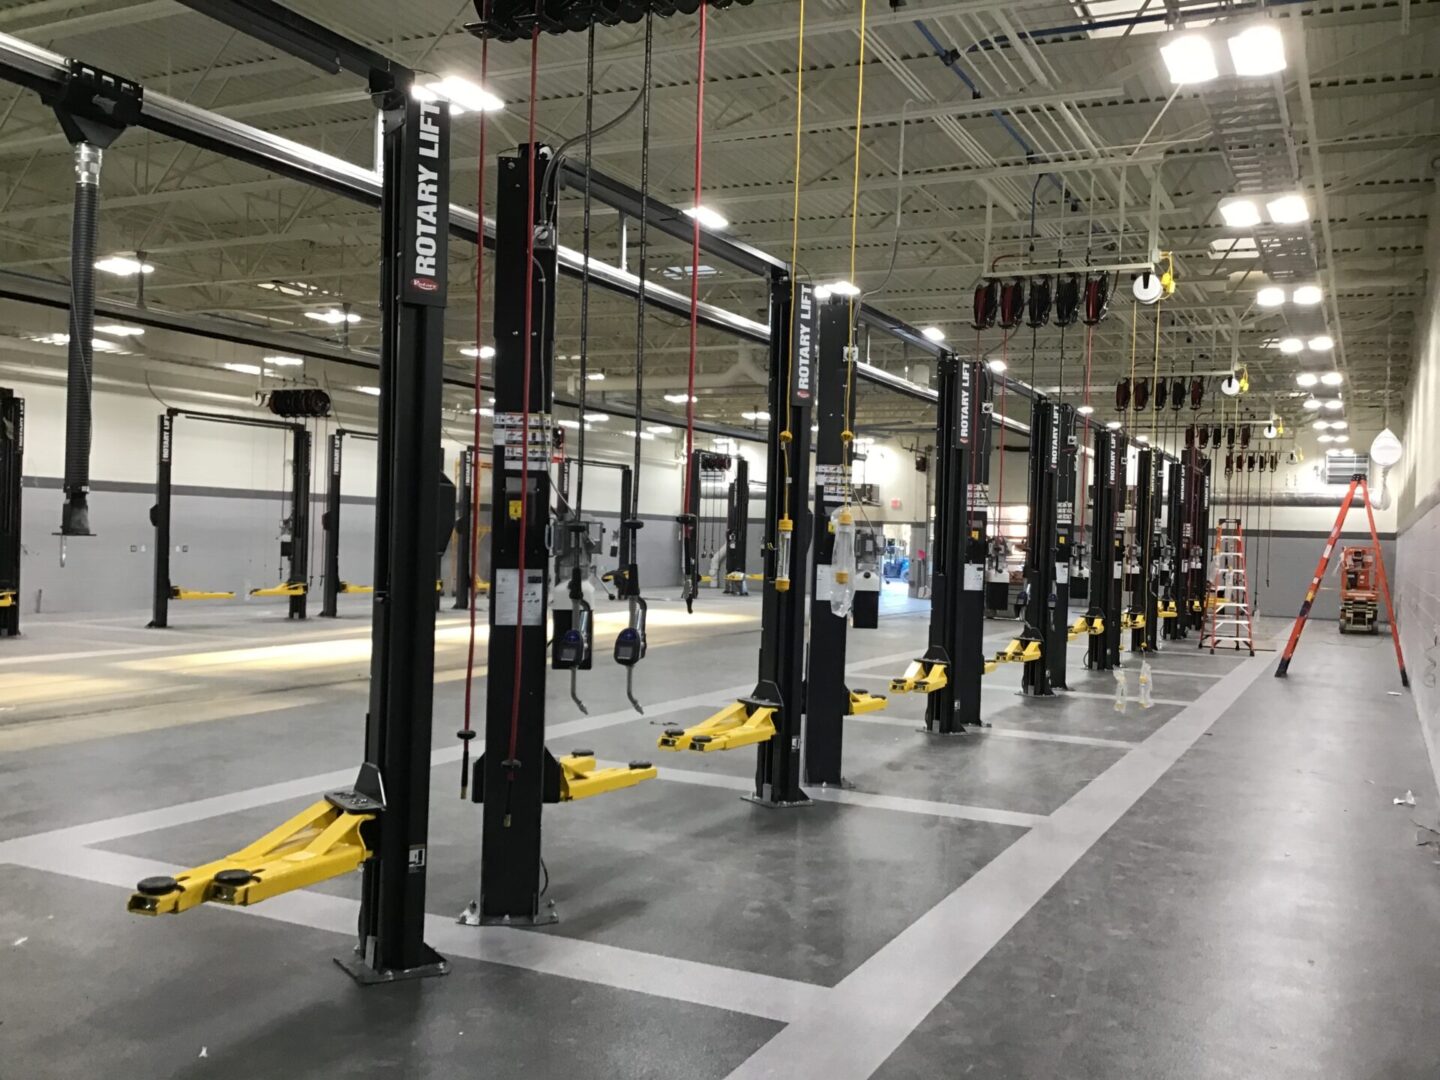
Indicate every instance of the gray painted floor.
{"type": "Point", "coordinates": [1218, 886]}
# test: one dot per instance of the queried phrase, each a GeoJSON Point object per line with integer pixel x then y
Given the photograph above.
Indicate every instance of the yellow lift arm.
{"type": "Point", "coordinates": [7, 598]}
{"type": "Point", "coordinates": [1132, 620]}
{"type": "Point", "coordinates": [1017, 652]}
{"type": "Point", "coordinates": [346, 587]}
{"type": "Point", "coordinates": [924, 676]}
{"type": "Point", "coordinates": [580, 778]}
{"type": "Point", "coordinates": [743, 723]}
{"type": "Point", "coordinates": [322, 841]}
{"type": "Point", "coordinates": [862, 701]}
{"type": "Point", "coordinates": [177, 593]}
{"type": "Point", "coordinates": [1167, 610]}
{"type": "Point", "coordinates": [285, 588]}
{"type": "Point", "coordinates": [1086, 624]}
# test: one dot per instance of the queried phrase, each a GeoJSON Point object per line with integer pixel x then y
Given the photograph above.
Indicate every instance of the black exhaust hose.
{"type": "Point", "coordinates": [75, 517]}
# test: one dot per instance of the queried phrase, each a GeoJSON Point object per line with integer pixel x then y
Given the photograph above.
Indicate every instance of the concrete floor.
{"type": "Point", "coordinates": [1217, 886]}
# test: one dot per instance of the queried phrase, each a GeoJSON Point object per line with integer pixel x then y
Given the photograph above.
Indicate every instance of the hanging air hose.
{"type": "Point", "coordinates": [690, 583]}
{"type": "Point", "coordinates": [1067, 299]}
{"type": "Point", "coordinates": [1012, 303]}
{"type": "Point", "coordinates": [466, 734]}
{"type": "Point", "coordinates": [987, 305]}
{"type": "Point", "coordinates": [630, 643]}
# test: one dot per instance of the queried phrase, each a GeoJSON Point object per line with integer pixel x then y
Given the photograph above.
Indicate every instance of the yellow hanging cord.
{"type": "Point", "coordinates": [847, 436]}
{"type": "Point", "coordinates": [787, 436]}
{"type": "Point", "coordinates": [1155, 371]}
{"type": "Point", "coordinates": [1134, 333]}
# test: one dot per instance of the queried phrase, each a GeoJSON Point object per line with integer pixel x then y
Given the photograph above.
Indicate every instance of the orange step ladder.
{"type": "Point", "coordinates": [1357, 483]}
{"type": "Point", "coordinates": [1228, 622]}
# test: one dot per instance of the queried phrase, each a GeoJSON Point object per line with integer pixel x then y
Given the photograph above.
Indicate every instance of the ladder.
{"type": "Point", "coordinates": [1228, 619]}
{"type": "Point", "coordinates": [1357, 483]}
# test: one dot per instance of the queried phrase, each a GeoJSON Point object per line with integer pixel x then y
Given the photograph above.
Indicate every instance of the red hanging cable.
{"type": "Point", "coordinates": [1084, 487]}
{"type": "Point", "coordinates": [525, 404]}
{"type": "Point", "coordinates": [1000, 496]}
{"type": "Point", "coordinates": [475, 440]}
{"type": "Point", "coordinates": [694, 264]}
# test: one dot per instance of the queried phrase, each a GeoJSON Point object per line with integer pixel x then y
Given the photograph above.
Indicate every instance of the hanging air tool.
{"type": "Point", "coordinates": [1122, 395]}
{"type": "Point", "coordinates": [1197, 393]}
{"type": "Point", "coordinates": [1067, 299]}
{"type": "Point", "coordinates": [1012, 303]}
{"type": "Point", "coordinates": [1162, 394]}
{"type": "Point", "coordinates": [1038, 309]}
{"type": "Point", "coordinates": [1177, 393]}
{"type": "Point", "coordinates": [630, 643]}
{"type": "Point", "coordinates": [1142, 393]}
{"type": "Point", "coordinates": [573, 642]}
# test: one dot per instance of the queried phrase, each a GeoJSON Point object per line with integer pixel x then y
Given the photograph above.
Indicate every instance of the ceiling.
{"type": "Point", "coordinates": [1060, 113]}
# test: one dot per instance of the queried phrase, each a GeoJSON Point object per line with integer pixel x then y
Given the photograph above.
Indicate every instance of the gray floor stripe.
{"type": "Point", "coordinates": [553, 954]}
{"type": "Point", "coordinates": [1134, 698]}
{"type": "Point", "coordinates": [869, 800]}
{"type": "Point", "coordinates": [876, 1007]}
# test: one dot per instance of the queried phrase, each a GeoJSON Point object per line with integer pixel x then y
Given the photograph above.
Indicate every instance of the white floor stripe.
{"type": "Point", "coordinates": [876, 1007]}
{"type": "Point", "coordinates": [552, 954]}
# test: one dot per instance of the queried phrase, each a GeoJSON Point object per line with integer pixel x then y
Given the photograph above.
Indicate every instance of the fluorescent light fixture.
{"type": "Point", "coordinates": [1341, 438]}
{"type": "Point", "coordinates": [1307, 379]}
{"type": "Point", "coordinates": [996, 366]}
{"type": "Point", "coordinates": [464, 96]}
{"type": "Point", "coordinates": [1323, 343]}
{"type": "Point", "coordinates": [595, 376]}
{"type": "Point", "coordinates": [1288, 210]}
{"type": "Point", "coordinates": [1189, 59]}
{"type": "Point", "coordinates": [1307, 295]}
{"type": "Point", "coordinates": [1312, 403]}
{"type": "Point", "coordinates": [1240, 213]}
{"type": "Point", "coordinates": [1332, 378]}
{"type": "Point", "coordinates": [242, 369]}
{"type": "Point", "coordinates": [284, 361]}
{"type": "Point", "coordinates": [1322, 425]}
{"type": "Point", "coordinates": [123, 266]}
{"type": "Point", "coordinates": [1339, 425]}
{"type": "Point", "coordinates": [1084, 410]}
{"type": "Point", "coordinates": [841, 288]}
{"type": "Point", "coordinates": [596, 417]}
{"type": "Point", "coordinates": [680, 399]}
{"type": "Point", "coordinates": [573, 425]}
{"type": "Point", "coordinates": [333, 316]}
{"type": "Point", "coordinates": [708, 218]}
{"type": "Point", "coordinates": [484, 352]}
{"type": "Point", "coordinates": [1334, 404]}
{"type": "Point", "coordinates": [1291, 345]}
{"type": "Point", "coordinates": [1325, 438]}
{"type": "Point", "coordinates": [1258, 50]}
{"type": "Point", "coordinates": [756, 414]}
{"type": "Point", "coordinates": [1113, 425]}
{"type": "Point", "coordinates": [660, 429]}
{"type": "Point", "coordinates": [373, 391]}
{"type": "Point", "coordinates": [933, 333]}
{"type": "Point", "coordinates": [1270, 296]}
{"type": "Point", "coordinates": [119, 330]}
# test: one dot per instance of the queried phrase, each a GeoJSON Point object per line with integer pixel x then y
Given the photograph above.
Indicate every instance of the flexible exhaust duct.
{"type": "Point", "coordinates": [75, 516]}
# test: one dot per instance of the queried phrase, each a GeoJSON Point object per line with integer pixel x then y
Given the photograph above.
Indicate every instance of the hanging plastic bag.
{"type": "Point", "coordinates": [1147, 685]}
{"type": "Point", "coordinates": [842, 562]}
{"type": "Point", "coordinates": [1122, 689]}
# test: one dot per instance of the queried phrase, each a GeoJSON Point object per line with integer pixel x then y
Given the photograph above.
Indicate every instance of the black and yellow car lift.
{"type": "Point", "coordinates": [1103, 618]}
{"type": "Point", "coordinates": [294, 546]}
{"type": "Point", "coordinates": [951, 668]}
{"type": "Point", "coordinates": [1197, 516]}
{"type": "Point", "coordinates": [1046, 624]}
{"type": "Point", "coordinates": [1142, 618]}
{"type": "Point", "coordinates": [381, 824]}
{"type": "Point", "coordinates": [12, 461]}
{"type": "Point", "coordinates": [332, 584]}
{"type": "Point", "coordinates": [829, 700]}
{"type": "Point", "coordinates": [1175, 582]}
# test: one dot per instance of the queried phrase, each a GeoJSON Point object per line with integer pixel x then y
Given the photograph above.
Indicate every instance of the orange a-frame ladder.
{"type": "Point", "coordinates": [1357, 482]}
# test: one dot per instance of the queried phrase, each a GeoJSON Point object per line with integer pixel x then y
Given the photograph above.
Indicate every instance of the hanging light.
{"type": "Point", "coordinates": [1334, 404]}
{"type": "Point", "coordinates": [123, 266]}
{"type": "Point", "coordinates": [1189, 59]}
{"type": "Point", "coordinates": [1325, 438]}
{"type": "Point", "coordinates": [1324, 425]}
{"type": "Point", "coordinates": [1339, 425]}
{"type": "Point", "coordinates": [1270, 295]}
{"type": "Point", "coordinates": [1332, 378]}
{"type": "Point", "coordinates": [1084, 410]}
{"type": "Point", "coordinates": [708, 218]}
{"type": "Point", "coordinates": [756, 414]}
{"type": "Point", "coordinates": [933, 333]}
{"type": "Point", "coordinates": [1386, 450]}
{"type": "Point", "coordinates": [996, 365]}
{"type": "Point", "coordinates": [484, 352]}
{"type": "Point", "coordinates": [1307, 295]}
{"type": "Point", "coordinates": [1291, 345]}
{"type": "Point", "coordinates": [1112, 425]}
{"type": "Point", "coordinates": [1307, 379]}
{"type": "Point", "coordinates": [1240, 213]}
{"type": "Point", "coordinates": [1288, 210]}
{"type": "Point", "coordinates": [1341, 438]}
{"type": "Point", "coordinates": [1312, 403]}
{"type": "Point", "coordinates": [1321, 343]}
{"type": "Point", "coordinates": [1257, 50]}
{"type": "Point", "coordinates": [841, 288]}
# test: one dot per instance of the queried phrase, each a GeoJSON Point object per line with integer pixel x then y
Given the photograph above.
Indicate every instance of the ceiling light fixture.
{"type": "Point", "coordinates": [1113, 425]}
{"type": "Point", "coordinates": [1334, 404]}
{"type": "Point", "coordinates": [1288, 209]}
{"type": "Point", "coordinates": [284, 361]}
{"type": "Point", "coordinates": [933, 333]}
{"type": "Point", "coordinates": [1240, 213]}
{"type": "Point", "coordinates": [1307, 295]}
{"type": "Point", "coordinates": [841, 288]}
{"type": "Point", "coordinates": [1257, 50]}
{"type": "Point", "coordinates": [1325, 438]}
{"type": "Point", "coordinates": [680, 399]}
{"type": "Point", "coordinates": [242, 369]}
{"type": "Point", "coordinates": [596, 417]}
{"type": "Point", "coordinates": [756, 414]}
{"type": "Point", "coordinates": [1339, 425]}
{"type": "Point", "coordinates": [119, 330]}
{"type": "Point", "coordinates": [1321, 343]}
{"type": "Point", "coordinates": [1085, 410]}
{"type": "Point", "coordinates": [123, 266]}
{"type": "Point", "coordinates": [996, 366]}
{"type": "Point", "coordinates": [333, 316]}
{"type": "Point", "coordinates": [1270, 296]}
{"type": "Point", "coordinates": [708, 218]}
{"type": "Point", "coordinates": [1341, 438]}
{"type": "Point", "coordinates": [1189, 59]}
{"type": "Point", "coordinates": [1291, 345]}
{"type": "Point", "coordinates": [1322, 425]}
{"type": "Point", "coordinates": [484, 352]}
{"type": "Point", "coordinates": [1331, 378]}
{"type": "Point", "coordinates": [1312, 403]}
{"type": "Point", "coordinates": [595, 376]}
{"type": "Point", "coordinates": [660, 429]}
{"type": "Point", "coordinates": [373, 391]}
{"type": "Point", "coordinates": [1307, 379]}
{"type": "Point", "coordinates": [464, 96]}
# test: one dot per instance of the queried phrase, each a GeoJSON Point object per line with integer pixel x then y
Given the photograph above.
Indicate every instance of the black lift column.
{"type": "Point", "coordinates": [12, 460]}
{"type": "Point", "coordinates": [1059, 632]}
{"type": "Point", "coordinates": [1041, 546]}
{"type": "Point", "coordinates": [1143, 605]}
{"type": "Point", "coordinates": [1176, 579]}
{"type": "Point", "coordinates": [1107, 551]}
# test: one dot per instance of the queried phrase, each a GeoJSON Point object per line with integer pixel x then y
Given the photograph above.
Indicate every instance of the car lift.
{"type": "Point", "coordinates": [770, 718]}
{"type": "Point", "coordinates": [829, 700]}
{"type": "Point", "coordinates": [12, 460]}
{"type": "Point", "coordinates": [1358, 483]}
{"type": "Point", "coordinates": [1107, 554]}
{"type": "Point", "coordinates": [737, 530]}
{"type": "Point", "coordinates": [294, 548]}
{"type": "Point", "coordinates": [1046, 627]}
{"type": "Point", "coordinates": [381, 823]}
{"type": "Point", "coordinates": [1142, 617]}
{"type": "Point", "coordinates": [949, 672]}
{"type": "Point", "coordinates": [333, 585]}
{"type": "Point", "coordinates": [1065, 554]}
{"type": "Point", "coordinates": [694, 562]}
